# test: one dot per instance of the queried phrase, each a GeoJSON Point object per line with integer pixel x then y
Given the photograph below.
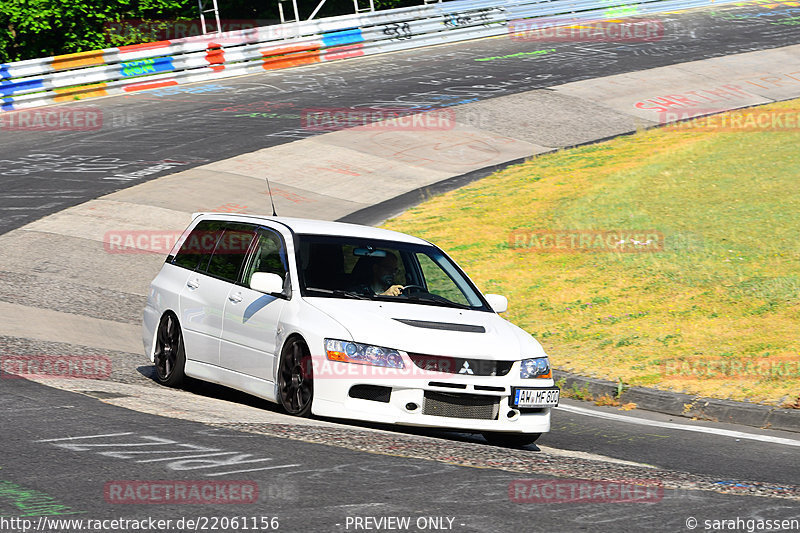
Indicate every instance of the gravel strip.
{"type": "Point", "coordinates": [479, 455]}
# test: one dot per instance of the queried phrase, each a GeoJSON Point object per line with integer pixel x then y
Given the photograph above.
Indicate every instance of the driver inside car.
{"type": "Point", "coordinates": [381, 272]}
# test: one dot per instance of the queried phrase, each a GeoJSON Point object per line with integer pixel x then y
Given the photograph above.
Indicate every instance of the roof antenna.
{"type": "Point", "coordinates": [270, 197]}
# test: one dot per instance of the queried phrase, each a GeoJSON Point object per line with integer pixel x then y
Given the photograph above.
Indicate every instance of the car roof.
{"type": "Point", "coordinates": [317, 227]}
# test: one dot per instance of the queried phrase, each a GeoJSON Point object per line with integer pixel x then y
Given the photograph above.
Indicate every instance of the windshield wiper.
{"type": "Point", "coordinates": [436, 299]}
{"type": "Point", "coordinates": [339, 292]}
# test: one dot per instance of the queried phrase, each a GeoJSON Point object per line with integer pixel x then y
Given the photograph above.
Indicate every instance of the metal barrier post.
{"type": "Point", "coordinates": [204, 10]}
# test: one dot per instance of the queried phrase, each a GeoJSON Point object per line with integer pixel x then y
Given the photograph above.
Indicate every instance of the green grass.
{"type": "Point", "coordinates": [725, 287]}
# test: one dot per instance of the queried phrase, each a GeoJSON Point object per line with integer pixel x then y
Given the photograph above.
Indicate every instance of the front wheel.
{"type": "Point", "coordinates": [295, 379]}
{"type": "Point", "coordinates": [510, 440]}
{"type": "Point", "coordinates": [169, 355]}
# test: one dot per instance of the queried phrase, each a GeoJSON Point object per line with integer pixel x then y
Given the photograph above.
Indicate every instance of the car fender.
{"type": "Point", "coordinates": [313, 325]}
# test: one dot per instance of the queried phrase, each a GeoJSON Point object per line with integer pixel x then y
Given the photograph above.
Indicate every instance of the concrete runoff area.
{"type": "Point", "coordinates": [44, 324]}
{"type": "Point", "coordinates": [548, 118]}
{"type": "Point", "coordinates": [334, 174]}
{"type": "Point", "coordinates": [178, 192]}
{"type": "Point", "coordinates": [704, 87]}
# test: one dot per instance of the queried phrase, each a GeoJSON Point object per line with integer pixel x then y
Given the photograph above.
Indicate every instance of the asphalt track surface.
{"type": "Point", "coordinates": [171, 129]}
{"type": "Point", "coordinates": [70, 446]}
{"type": "Point", "coordinates": [322, 477]}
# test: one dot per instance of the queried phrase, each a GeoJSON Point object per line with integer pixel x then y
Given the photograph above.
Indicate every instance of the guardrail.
{"type": "Point", "coordinates": [126, 69]}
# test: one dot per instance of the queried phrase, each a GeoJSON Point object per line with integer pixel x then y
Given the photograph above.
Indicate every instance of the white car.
{"type": "Point", "coordinates": [344, 321]}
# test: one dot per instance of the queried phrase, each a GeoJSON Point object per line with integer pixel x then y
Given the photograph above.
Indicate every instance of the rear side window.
{"type": "Point", "coordinates": [230, 251]}
{"type": "Point", "coordinates": [199, 245]}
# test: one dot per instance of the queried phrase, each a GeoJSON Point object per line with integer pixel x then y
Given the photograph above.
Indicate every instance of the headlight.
{"type": "Point", "coordinates": [535, 368]}
{"type": "Point", "coordinates": [364, 354]}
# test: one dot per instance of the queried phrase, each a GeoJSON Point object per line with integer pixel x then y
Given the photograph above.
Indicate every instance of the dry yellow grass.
{"type": "Point", "coordinates": [724, 289]}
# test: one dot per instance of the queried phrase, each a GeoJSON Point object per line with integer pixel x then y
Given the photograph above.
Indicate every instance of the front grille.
{"type": "Point", "coordinates": [461, 405]}
{"type": "Point", "coordinates": [446, 385]}
{"type": "Point", "coordinates": [374, 393]}
{"type": "Point", "coordinates": [458, 365]}
{"type": "Point", "coordinates": [488, 388]}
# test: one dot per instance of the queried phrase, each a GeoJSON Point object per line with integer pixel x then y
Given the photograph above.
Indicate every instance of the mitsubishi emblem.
{"type": "Point", "coordinates": [466, 369]}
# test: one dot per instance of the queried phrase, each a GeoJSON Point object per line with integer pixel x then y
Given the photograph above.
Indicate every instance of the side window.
{"type": "Point", "coordinates": [269, 256]}
{"type": "Point", "coordinates": [438, 282]}
{"type": "Point", "coordinates": [230, 251]}
{"type": "Point", "coordinates": [198, 246]}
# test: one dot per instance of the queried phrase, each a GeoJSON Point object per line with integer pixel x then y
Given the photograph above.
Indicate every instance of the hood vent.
{"type": "Point", "coordinates": [469, 328]}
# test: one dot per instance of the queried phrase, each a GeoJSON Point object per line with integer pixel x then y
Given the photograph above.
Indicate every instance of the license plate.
{"type": "Point", "coordinates": [536, 397]}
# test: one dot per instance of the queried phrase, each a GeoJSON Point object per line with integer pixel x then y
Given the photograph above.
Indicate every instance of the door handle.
{"type": "Point", "coordinates": [235, 298]}
{"type": "Point", "coordinates": [193, 283]}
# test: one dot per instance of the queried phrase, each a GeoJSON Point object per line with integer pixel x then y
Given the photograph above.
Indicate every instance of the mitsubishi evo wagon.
{"type": "Point", "coordinates": [344, 321]}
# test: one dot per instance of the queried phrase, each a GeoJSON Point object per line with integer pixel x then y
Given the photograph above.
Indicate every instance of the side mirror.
{"type": "Point", "coordinates": [266, 283]}
{"type": "Point", "coordinates": [497, 302]}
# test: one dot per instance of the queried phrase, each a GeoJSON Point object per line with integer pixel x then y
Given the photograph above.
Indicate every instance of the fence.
{"type": "Point", "coordinates": [126, 69]}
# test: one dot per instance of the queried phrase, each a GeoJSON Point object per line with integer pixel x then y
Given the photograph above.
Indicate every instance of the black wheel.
{"type": "Point", "coordinates": [510, 440]}
{"type": "Point", "coordinates": [169, 356]}
{"type": "Point", "coordinates": [295, 379]}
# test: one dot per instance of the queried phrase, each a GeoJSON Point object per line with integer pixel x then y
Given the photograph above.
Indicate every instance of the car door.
{"type": "Point", "coordinates": [250, 329]}
{"type": "Point", "coordinates": [221, 250]}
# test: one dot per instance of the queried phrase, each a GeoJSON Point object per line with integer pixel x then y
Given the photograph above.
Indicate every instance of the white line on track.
{"type": "Point", "coordinates": [86, 437]}
{"type": "Point", "coordinates": [670, 425]}
{"type": "Point", "coordinates": [251, 470]}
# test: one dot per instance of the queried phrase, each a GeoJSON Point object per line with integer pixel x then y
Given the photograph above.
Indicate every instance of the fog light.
{"type": "Point", "coordinates": [411, 406]}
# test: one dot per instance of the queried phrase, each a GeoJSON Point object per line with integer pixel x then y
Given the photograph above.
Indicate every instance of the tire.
{"type": "Point", "coordinates": [295, 378]}
{"type": "Point", "coordinates": [510, 440]}
{"type": "Point", "coordinates": [169, 355]}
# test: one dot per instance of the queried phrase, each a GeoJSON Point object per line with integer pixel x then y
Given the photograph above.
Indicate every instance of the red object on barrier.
{"type": "Point", "coordinates": [216, 56]}
{"type": "Point", "coordinates": [143, 86]}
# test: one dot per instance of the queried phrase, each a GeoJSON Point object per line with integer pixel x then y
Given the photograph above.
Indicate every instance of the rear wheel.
{"type": "Point", "coordinates": [510, 440]}
{"type": "Point", "coordinates": [295, 379]}
{"type": "Point", "coordinates": [169, 355]}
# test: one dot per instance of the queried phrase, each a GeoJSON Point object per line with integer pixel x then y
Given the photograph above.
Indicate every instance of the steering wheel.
{"type": "Point", "coordinates": [420, 287]}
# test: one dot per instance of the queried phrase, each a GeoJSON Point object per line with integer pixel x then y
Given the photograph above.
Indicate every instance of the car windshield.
{"type": "Point", "coordinates": [351, 267]}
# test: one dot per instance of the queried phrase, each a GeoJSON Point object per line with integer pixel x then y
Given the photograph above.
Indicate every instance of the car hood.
{"type": "Point", "coordinates": [434, 330]}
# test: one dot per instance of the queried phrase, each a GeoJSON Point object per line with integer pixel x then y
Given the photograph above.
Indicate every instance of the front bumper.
{"type": "Point", "coordinates": [470, 403]}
